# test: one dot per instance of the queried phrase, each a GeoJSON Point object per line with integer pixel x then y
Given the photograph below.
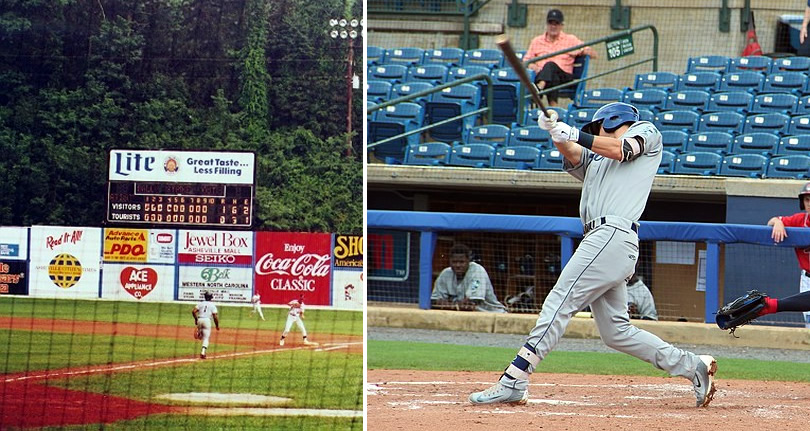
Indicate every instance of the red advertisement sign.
{"type": "Point", "coordinates": [291, 264]}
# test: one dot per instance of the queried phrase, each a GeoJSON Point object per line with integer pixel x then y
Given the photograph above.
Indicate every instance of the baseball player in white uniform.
{"type": "Point", "coordinates": [257, 305]}
{"type": "Point", "coordinates": [296, 315]}
{"type": "Point", "coordinates": [204, 313]}
{"type": "Point", "coordinates": [616, 156]}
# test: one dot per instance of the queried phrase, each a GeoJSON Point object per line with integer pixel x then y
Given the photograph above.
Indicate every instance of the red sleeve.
{"type": "Point", "coordinates": [795, 220]}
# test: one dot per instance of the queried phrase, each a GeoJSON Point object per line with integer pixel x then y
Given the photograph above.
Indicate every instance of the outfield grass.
{"type": "Point", "coordinates": [444, 357]}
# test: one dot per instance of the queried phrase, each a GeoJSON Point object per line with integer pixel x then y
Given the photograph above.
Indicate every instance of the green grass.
{"type": "Point", "coordinates": [443, 357]}
{"type": "Point", "coordinates": [175, 422]}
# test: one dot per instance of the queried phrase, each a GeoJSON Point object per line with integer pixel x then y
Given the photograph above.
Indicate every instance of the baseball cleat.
{"type": "Point", "coordinates": [202, 356]}
{"type": "Point", "coordinates": [499, 393]}
{"type": "Point", "coordinates": [310, 343]}
{"type": "Point", "coordinates": [281, 343]}
{"type": "Point", "coordinates": [704, 380]}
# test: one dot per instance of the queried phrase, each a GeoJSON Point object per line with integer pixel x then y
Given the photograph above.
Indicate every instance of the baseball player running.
{"type": "Point", "coordinates": [296, 315]}
{"type": "Point", "coordinates": [616, 157]}
{"type": "Point", "coordinates": [203, 313]}
{"type": "Point", "coordinates": [257, 306]}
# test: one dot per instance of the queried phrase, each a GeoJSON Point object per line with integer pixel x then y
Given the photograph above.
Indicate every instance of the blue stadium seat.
{"type": "Point", "coordinates": [737, 101]}
{"type": "Point", "coordinates": [706, 81]}
{"type": "Point", "coordinates": [505, 94]}
{"type": "Point", "coordinates": [393, 73]}
{"type": "Point", "coordinates": [799, 125]}
{"type": "Point", "coordinates": [580, 117]}
{"type": "Point", "coordinates": [518, 157]}
{"type": "Point", "coordinates": [581, 65]}
{"type": "Point", "coordinates": [375, 55]}
{"type": "Point", "coordinates": [529, 136]}
{"type": "Point", "coordinates": [722, 121]}
{"type": "Point", "coordinates": [549, 160]}
{"type": "Point", "coordinates": [649, 98]}
{"type": "Point", "coordinates": [450, 57]}
{"type": "Point", "coordinates": [802, 106]}
{"type": "Point", "coordinates": [787, 82]}
{"type": "Point", "coordinates": [772, 122]}
{"type": "Point", "coordinates": [715, 142]}
{"type": "Point", "coordinates": [697, 163]}
{"type": "Point", "coordinates": [488, 57]}
{"type": "Point", "coordinates": [461, 72]}
{"type": "Point", "coordinates": [774, 102]}
{"type": "Point", "coordinates": [682, 120]}
{"type": "Point", "coordinates": [646, 115]}
{"type": "Point", "coordinates": [472, 155]}
{"type": "Point", "coordinates": [496, 135]}
{"type": "Point", "coordinates": [798, 144]}
{"type": "Point", "coordinates": [435, 74]}
{"type": "Point", "coordinates": [531, 116]}
{"type": "Point", "coordinates": [674, 141]}
{"type": "Point", "coordinates": [391, 121]}
{"type": "Point", "coordinates": [448, 103]}
{"type": "Point", "coordinates": [757, 63]}
{"type": "Point", "coordinates": [744, 165]}
{"type": "Point", "coordinates": [599, 96]}
{"type": "Point", "coordinates": [378, 91]}
{"type": "Point", "coordinates": [667, 162]}
{"type": "Point", "coordinates": [407, 56]}
{"type": "Point", "coordinates": [755, 143]}
{"type": "Point", "coordinates": [749, 81]}
{"type": "Point", "coordinates": [708, 63]}
{"type": "Point", "coordinates": [661, 80]}
{"type": "Point", "coordinates": [695, 100]}
{"type": "Point", "coordinates": [408, 88]}
{"type": "Point", "coordinates": [427, 154]}
{"type": "Point", "coordinates": [793, 166]}
{"type": "Point", "coordinates": [791, 64]}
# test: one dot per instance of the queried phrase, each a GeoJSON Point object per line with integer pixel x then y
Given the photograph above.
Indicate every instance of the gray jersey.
{"type": "Point", "coordinates": [639, 294]}
{"type": "Point", "coordinates": [614, 188]}
{"type": "Point", "coordinates": [475, 285]}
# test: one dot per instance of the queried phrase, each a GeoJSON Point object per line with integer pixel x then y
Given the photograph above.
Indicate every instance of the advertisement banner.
{"type": "Point", "coordinates": [348, 289]}
{"type": "Point", "coordinates": [348, 251]}
{"type": "Point", "coordinates": [389, 254]}
{"type": "Point", "coordinates": [182, 166]}
{"type": "Point", "coordinates": [139, 245]}
{"type": "Point", "coordinates": [208, 247]}
{"type": "Point", "coordinates": [14, 243]}
{"type": "Point", "coordinates": [136, 282]}
{"type": "Point", "coordinates": [291, 264]}
{"type": "Point", "coordinates": [13, 279]}
{"type": "Point", "coordinates": [65, 262]}
{"type": "Point", "coordinates": [228, 284]}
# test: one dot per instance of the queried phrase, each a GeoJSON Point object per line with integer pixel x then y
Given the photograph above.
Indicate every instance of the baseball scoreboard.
{"type": "Point", "coordinates": [180, 188]}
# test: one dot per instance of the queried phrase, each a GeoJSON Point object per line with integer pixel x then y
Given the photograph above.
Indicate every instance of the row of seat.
{"type": "Point", "coordinates": [488, 57]}
{"type": "Point", "coordinates": [750, 81]}
{"type": "Point", "coordinates": [725, 64]}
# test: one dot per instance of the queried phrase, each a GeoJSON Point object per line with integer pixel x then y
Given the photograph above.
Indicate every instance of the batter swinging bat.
{"type": "Point", "coordinates": [503, 43]}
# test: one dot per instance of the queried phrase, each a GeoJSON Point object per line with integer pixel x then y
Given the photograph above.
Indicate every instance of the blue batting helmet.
{"type": "Point", "coordinates": [611, 117]}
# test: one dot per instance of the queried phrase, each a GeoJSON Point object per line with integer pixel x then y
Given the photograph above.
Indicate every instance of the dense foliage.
{"type": "Point", "coordinates": [78, 78]}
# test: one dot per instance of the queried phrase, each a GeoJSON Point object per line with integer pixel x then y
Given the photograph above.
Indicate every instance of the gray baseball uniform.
{"type": "Point", "coordinates": [638, 293]}
{"type": "Point", "coordinates": [475, 285]}
{"type": "Point", "coordinates": [614, 195]}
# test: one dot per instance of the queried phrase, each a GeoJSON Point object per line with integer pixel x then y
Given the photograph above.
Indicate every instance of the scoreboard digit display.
{"type": "Point", "coordinates": [180, 188]}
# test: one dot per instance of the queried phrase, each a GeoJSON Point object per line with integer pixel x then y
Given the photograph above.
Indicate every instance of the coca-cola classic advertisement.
{"type": "Point", "coordinates": [291, 264]}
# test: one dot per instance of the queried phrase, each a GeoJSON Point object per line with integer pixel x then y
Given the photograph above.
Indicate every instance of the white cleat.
{"type": "Point", "coordinates": [499, 394]}
{"type": "Point", "coordinates": [281, 343]}
{"type": "Point", "coordinates": [703, 381]}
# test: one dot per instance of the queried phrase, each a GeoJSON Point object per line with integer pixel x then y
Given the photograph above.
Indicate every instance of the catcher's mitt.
{"type": "Point", "coordinates": [741, 310]}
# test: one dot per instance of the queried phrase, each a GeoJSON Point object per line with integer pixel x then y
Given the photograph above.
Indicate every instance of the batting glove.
{"type": "Point", "coordinates": [547, 123]}
{"type": "Point", "coordinates": [562, 132]}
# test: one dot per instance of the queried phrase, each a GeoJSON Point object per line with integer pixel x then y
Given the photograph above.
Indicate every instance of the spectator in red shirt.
{"type": "Point", "coordinates": [559, 69]}
{"type": "Point", "coordinates": [778, 234]}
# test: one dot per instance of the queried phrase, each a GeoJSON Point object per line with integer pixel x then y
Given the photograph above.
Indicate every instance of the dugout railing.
{"type": "Point", "coordinates": [750, 259]}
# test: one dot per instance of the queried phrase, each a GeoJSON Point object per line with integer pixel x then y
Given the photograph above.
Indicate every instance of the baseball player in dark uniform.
{"type": "Point", "coordinates": [616, 157]}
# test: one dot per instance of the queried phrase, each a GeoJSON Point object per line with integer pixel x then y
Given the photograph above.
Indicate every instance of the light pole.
{"type": "Point", "coordinates": [349, 30]}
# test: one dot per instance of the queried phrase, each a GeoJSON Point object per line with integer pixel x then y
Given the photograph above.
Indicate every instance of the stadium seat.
{"type": "Point", "coordinates": [715, 142]}
{"type": "Point", "coordinates": [407, 56]}
{"type": "Point", "coordinates": [378, 91]}
{"type": "Point", "coordinates": [744, 165]}
{"type": "Point", "coordinates": [435, 74]}
{"type": "Point", "coordinates": [755, 143]}
{"type": "Point", "coordinates": [473, 155]}
{"type": "Point", "coordinates": [493, 134]}
{"type": "Point", "coordinates": [488, 57]}
{"type": "Point", "coordinates": [646, 115]}
{"type": "Point", "coordinates": [393, 73]}
{"type": "Point", "coordinates": [450, 57]}
{"type": "Point", "coordinates": [580, 117]}
{"type": "Point", "coordinates": [772, 122]}
{"type": "Point", "coordinates": [793, 166]}
{"type": "Point", "coordinates": [391, 121]}
{"type": "Point", "coordinates": [529, 136]}
{"type": "Point", "coordinates": [531, 115]}
{"type": "Point", "coordinates": [774, 102]}
{"type": "Point", "coordinates": [448, 103]}
{"type": "Point", "coordinates": [695, 100]}
{"type": "Point", "coordinates": [697, 163]}
{"type": "Point", "coordinates": [661, 80]}
{"type": "Point", "coordinates": [737, 101]}
{"type": "Point", "coordinates": [706, 81]}
{"type": "Point", "coordinates": [462, 72]}
{"type": "Point", "coordinates": [581, 65]}
{"type": "Point", "coordinates": [723, 121]}
{"type": "Point", "coordinates": [667, 162]}
{"type": "Point", "coordinates": [749, 81]}
{"type": "Point", "coordinates": [791, 64]}
{"type": "Point", "coordinates": [518, 157]}
{"type": "Point", "coordinates": [550, 160]}
{"type": "Point", "coordinates": [787, 82]}
{"type": "Point", "coordinates": [505, 93]}
{"type": "Point", "coordinates": [799, 144]}
{"type": "Point", "coordinates": [599, 96]}
{"type": "Point", "coordinates": [409, 88]}
{"type": "Point", "coordinates": [682, 120]}
{"type": "Point", "coordinates": [757, 63]}
{"type": "Point", "coordinates": [649, 98]}
{"type": "Point", "coordinates": [799, 125]}
{"type": "Point", "coordinates": [427, 154]}
{"type": "Point", "coordinates": [708, 63]}
{"type": "Point", "coordinates": [802, 106]}
{"type": "Point", "coordinates": [674, 141]}
{"type": "Point", "coordinates": [375, 55]}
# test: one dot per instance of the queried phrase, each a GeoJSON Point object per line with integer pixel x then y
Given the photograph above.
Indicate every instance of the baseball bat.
{"type": "Point", "coordinates": [503, 43]}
